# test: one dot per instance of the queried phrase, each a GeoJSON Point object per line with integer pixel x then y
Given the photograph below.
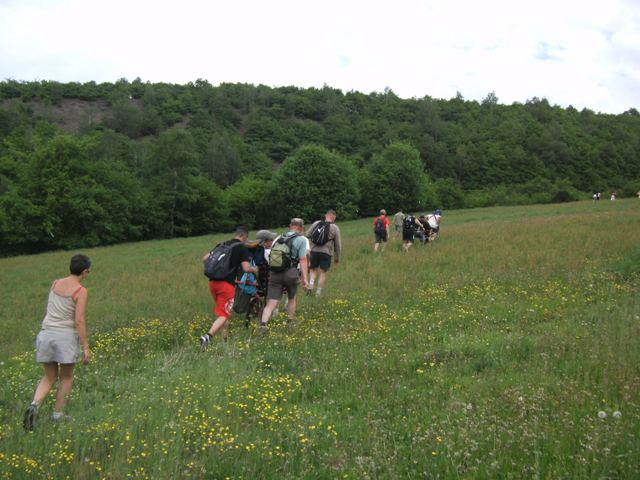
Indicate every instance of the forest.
{"type": "Point", "coordinates": [88, 164]}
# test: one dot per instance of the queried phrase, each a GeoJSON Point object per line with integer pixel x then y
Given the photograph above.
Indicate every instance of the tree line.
{"type": "Point", "coordinates": [93, 164]}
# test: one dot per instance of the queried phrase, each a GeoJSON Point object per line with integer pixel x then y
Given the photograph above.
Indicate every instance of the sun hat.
{"type": "Point", "coordinates": [265, 235]}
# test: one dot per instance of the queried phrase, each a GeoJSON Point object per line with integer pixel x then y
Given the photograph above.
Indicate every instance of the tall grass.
{"type": "Point", "coordinates": [487, 354]}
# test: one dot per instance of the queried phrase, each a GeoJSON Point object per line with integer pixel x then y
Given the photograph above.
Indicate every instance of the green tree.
{"type": "Point", "coordinates": [394, 179]}
{"type": "Point", "coordinates": [221, 160]}
{"type": "Point", "coordinates": [313, 180]}
{"type": "Point", "coordinates": [186, 202]}
{"type": "Point", "coordinates": [249, 203]}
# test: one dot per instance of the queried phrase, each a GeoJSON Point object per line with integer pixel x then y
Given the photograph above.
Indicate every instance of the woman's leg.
{"type": "Point", "coordinates": [64, 388]}
{"type": "Point", "coordinates": [46, 382]}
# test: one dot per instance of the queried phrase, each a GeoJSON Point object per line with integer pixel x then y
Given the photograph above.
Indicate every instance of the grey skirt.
{"type": "Point", "coordinates": [60, 346]}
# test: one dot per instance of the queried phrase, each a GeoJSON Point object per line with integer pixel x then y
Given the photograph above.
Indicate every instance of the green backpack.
{"type": "Point", "coordinates": [281, 257]}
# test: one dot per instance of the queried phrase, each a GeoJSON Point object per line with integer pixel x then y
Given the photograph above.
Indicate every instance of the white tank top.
{"type": "Point", "coordinates": [61, 312]}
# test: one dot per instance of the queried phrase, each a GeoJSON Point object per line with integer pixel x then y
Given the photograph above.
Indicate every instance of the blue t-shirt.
{"type": "Point", "coordinates": [298, 245]}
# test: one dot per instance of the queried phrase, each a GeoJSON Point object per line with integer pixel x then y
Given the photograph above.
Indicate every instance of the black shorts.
{"type": "Point", "coordinates": [408, 235]}
{"type": "Point", "coordinates": [380, 236]}
{"type": "Point", "coordinates": [320, 260]}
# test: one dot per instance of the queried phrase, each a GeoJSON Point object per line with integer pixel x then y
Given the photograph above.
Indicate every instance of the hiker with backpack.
{"type": "Point", "coordinates": [381, 230]}
{"type": "Point", "coordinates": [409, 227]}
{"type": "Point", "coordinates": [259, 253]}
{"type": "Point", "coordinates": [287, 252]}
{"type": "Point", "coordinates": [221, 266]}
{"type": "Point", "coordinates": [325, 243]}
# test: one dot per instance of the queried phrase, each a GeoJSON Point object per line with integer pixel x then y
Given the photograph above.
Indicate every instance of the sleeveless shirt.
{"type": "Point", "coordinates": [61, 312]}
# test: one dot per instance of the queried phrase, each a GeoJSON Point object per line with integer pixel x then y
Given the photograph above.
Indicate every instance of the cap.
{"type": "Point", "coordinates": [265, 235]}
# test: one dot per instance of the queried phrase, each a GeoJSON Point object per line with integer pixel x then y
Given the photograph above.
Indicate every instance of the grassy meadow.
{"type": "Point", "coordinates": [487, 354]}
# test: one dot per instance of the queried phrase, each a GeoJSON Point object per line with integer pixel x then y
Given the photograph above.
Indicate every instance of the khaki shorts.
{"type": "Point", "coordinates": [60, 346]}
{"type": "Point", "coordinates": [280, 282]}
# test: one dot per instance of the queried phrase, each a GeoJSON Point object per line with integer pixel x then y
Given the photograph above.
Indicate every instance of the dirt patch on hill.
{"type": "Point", "coordinates": [73, 115]}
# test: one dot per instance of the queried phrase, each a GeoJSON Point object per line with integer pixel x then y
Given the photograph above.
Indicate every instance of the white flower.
{"type": "Point", "coordinates": [602, 414]}
{"type": "Point", "coordinates": [617, 414]}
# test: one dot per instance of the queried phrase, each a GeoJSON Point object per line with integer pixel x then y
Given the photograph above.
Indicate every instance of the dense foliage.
{"type": "Point", "coordinates": [92, 164]}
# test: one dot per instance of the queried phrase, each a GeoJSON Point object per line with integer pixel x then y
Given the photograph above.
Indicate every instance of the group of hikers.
{"type": "Point", "coordinates": [425, 227]}
{"type": "Point", "coordinates": [274, 265]}
{"type": "Point", "coordinates": [271, 265]}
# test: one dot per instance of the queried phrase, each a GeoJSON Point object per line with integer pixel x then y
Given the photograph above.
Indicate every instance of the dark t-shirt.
{"type": "Point", "coordinates": [239, 254]}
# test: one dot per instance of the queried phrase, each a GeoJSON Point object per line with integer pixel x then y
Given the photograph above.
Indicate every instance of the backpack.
{"type": "Point", "coordinates": [280, 258]}
{"type": "Point", "coordinates": [320, 234]}
{"type": "Point", "coordinates": [379, 226]}
{"type": "Point", "coordinates": [246, 289]}
{"type": "Point", "coordinates": [409, 223]}
{"type": "Point", "coordinates": [218, 264]}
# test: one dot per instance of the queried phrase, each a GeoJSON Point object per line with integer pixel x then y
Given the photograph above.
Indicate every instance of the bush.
{"type": "Point", "coordinates": [312, 181]}
{"type": "Point", "coordinates": [394, 180]}
{"type": "Point", "coordinates": [449, 193]}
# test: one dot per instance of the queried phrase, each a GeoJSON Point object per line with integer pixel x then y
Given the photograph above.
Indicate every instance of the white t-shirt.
{"type": "Point", "coordinates": [434, 220]}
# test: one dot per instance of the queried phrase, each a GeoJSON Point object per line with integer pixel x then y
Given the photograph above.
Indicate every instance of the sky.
{"type": "Point", "coordinates": [580, 53]}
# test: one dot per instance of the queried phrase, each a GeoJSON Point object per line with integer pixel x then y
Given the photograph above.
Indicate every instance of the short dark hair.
{"type": "Point", "coordinates": [241, 231]}
{"type": "Point", "coordinates": [79, 263]}
{"type": "Point", "coordinates": [331, 211]}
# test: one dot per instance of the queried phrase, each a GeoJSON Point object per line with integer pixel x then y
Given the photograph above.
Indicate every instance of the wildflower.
{"type": "Point", "coordinates": [617, 414]}
{"type": "Point", "coordinates": [602, 414]}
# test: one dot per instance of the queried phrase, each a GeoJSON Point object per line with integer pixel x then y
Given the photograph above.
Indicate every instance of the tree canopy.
{"type": "Point", "coordinates": [93, 164]}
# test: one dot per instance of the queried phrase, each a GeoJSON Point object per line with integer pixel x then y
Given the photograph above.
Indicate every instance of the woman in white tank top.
{"type": "Point", "coordinates": [58, 342]}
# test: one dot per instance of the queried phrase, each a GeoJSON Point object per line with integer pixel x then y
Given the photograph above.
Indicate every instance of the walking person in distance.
{"type": "Point", "coordinates": [398, 220]}
{"type": "Point", "coordinates": [381, 230]}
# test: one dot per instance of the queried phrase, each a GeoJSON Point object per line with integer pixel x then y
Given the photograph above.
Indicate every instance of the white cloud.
{"type": "Point", "coordinates": [583, 53]}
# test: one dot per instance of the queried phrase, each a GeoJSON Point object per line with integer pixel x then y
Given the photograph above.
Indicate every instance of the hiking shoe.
{"type": "Point", "coordinates": [30, 417]}
{"type": "Point", "coordinates": [204, 341]}
{"type": "Point", "coordinates": [61, 418]}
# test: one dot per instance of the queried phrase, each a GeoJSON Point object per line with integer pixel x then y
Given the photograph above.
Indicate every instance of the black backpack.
{"type": "Point", "coordinates": [218, 265]}
{"type": "Point", "coordinates": [379, 226]}
{"type": "Point", "coordinates": [409, 223]}
{"type": "Point", "coordinates": [281, 258]}
{"type": "Point", "coordinates": [320, 234]}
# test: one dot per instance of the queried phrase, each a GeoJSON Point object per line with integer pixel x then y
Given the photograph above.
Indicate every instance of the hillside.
{"type": "Point", "coordinates": [162, 160]}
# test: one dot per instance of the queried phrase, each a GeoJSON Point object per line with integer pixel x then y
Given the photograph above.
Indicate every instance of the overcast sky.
{"type": "Point", "coordinates": [582, 53]}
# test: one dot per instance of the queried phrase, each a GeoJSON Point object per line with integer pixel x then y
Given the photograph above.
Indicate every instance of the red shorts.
{"type": "Point", "coordinates": [222, 293]}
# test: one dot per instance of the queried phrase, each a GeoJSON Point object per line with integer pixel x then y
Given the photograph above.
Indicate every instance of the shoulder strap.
{"type": "Point", "coordinates": [76, 291]}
